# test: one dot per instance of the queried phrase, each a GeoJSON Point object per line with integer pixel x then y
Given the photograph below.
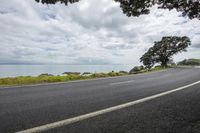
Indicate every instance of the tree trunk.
{"type": "Point", "coordinates": [164, 64]}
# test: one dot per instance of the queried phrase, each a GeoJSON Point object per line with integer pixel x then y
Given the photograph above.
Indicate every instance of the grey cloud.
{"type": "Point", "coordinates": [118, 46]}
{"type": "Point", "coordinates": [118, 54]}
{"type": "Point", "coordinates": [90, 61]}
{"type": "Point", "coordinates": [83, 33]}
{"type": "Point", "coordinates": [95, 18]}
{"type": "Point", "coordinates": [197, 45]}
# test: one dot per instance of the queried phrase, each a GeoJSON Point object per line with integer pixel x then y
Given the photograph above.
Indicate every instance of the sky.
{"type": "Point", "coordinates": [87, 32]}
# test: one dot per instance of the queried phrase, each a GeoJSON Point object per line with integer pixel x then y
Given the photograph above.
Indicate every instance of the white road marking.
{"type": "Point", "coordinates": [100, 112]}
{"type": "Point", "coordinates": [123, 82]}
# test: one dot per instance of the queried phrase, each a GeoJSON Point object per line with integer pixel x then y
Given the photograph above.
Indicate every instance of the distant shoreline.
{"type": "Point", "coordinates": [72, 76]}
{"type": "Point", "coordinates": [35, 70]}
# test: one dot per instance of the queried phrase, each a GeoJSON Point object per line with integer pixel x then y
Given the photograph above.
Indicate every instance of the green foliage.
{"type": "Point", "coordinates": [71, 73]}
{"type": "Point", "coordinates": [157, 68]}
{"type": "Point", "coordinates": [192, 62]}
{"type": "Point", "coordinates": [99, 75]}
{"type": "Point", "coordinates": [135, 7]}
{"type": "Point", "coordinates": [66, 2]}
{"type": "Point", "coordinates": [123, 72]}
{"type": "Point", "coordinates": [147, 60]}
{"type": "Point", "coordinates": [163, 50]}
{"type": "Point", "coordinates": [23, 80]}
{"type": "Point", "coordinates": [137, 69]}
{"type": "Point", "coordinates": [46, 78]}
{"type": "Point", "coordinates": [190, 8]}
{"type": "Point", "coordinates": [110, 74]}
{"type": "Point", "coordinates": [45, 74]}
{"type": "Point", "coordinates": [116, 74]}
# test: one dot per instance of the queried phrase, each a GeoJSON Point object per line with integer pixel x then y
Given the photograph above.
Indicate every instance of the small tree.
{"type": "Point", "coordinates": [163, 50]}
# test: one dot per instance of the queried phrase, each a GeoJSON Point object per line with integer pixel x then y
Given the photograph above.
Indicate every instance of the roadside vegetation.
{"type": "Point", "coordinates": [49, 78]}
{"type": "Point", "coordinates": [190, 62]}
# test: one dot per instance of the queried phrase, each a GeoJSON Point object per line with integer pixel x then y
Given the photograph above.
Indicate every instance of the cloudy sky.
{"type": "Point", "coordinates": [88, 32]}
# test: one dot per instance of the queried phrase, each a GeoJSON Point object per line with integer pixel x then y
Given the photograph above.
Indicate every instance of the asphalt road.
{"type": "Point", "coordinates": [32, 106]}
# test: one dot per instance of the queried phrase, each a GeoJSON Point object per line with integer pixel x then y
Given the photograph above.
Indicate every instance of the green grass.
{"type": "Point", "coordinates": [45, 78]}
{"type": "Point", "coordinates": [27, 80]}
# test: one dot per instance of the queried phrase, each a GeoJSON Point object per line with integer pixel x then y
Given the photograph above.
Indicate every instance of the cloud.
{"type": "Point", "coordinates": [88, 32]}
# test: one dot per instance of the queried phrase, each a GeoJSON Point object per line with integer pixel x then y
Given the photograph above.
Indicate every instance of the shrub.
{"type": "Point", "coordinates": [192, 62]}
{"type": "Point", "coordinates": [45, 74]}
{"type": "Point", "coordinates": [99, 75]}
{"type": "Point", "coordinates": [136, 69]}
{"type": "Point", "coordinates": [123, 72]}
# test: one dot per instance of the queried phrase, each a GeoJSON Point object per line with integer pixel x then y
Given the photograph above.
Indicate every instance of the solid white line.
{"type": "Point", "coordinates": [123, 82]}
{"type": "Point", "coordinates": [100, 112]}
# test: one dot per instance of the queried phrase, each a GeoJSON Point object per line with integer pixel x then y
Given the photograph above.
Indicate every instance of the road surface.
{"type": "Point", "coordinates": [28, 107]}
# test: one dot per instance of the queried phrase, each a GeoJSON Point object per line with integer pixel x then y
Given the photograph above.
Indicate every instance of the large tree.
{"type": "Point", "coordinates": [163, 50]}
{"type": "Point", "coordinates": [190, 8]}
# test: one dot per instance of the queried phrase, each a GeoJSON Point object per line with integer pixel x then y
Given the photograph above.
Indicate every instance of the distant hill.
{"type": "Point", "coordinates": [192, 62]}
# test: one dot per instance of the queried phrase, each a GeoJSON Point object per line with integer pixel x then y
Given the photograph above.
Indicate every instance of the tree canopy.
{"type": "Point", "coordinates": [66, 2]}
{"type": "Point", "coordinates": [190, 8]}
{"type": "Point", "coordinates": [163, 50]}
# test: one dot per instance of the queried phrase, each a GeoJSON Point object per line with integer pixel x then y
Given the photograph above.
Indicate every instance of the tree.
{"type": "Point", "coordinates": [163, 50]}
{"type": "Point", "coordinates": [66, 2]}
{"type": "Point", "coordinates": [190, 8]}
{"type": "Point", "coordinates": [147, 60]}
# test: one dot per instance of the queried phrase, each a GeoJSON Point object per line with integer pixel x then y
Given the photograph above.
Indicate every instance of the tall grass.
{"type": "Point", "coordinates": [26, 80]}
{"type": "Point", "coordinates": [47, 78]}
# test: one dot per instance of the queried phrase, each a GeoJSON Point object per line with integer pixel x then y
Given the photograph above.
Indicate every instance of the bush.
{"type": "Point", "coordinates": [99, 75]}
{"type": "Point", "coordinates": [192, 62]}
{"type": "Point", "coordinates": [123, 72]}
{"type": "Point", "coordinates": [158, 67]}
{"type": "Point", "coordinates": [136, 69]}
{"type": "Point", "coordinates": [45, 74]}
{"type": "Point", "coordinates": [115, 74]}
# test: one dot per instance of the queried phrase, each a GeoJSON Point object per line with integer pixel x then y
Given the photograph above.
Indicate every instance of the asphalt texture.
{"type": "Point", "coordinates": [31, 106]}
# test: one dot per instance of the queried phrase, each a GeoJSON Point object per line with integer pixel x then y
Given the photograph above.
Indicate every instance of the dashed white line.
{"type": "Point", "coordinates": [100, 112]}
{"type": "Point", "coordinates": [123, 82]}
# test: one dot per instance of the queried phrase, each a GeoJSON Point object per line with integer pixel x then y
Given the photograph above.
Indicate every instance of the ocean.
{"type": "Point", "coordinates": [35, 70]}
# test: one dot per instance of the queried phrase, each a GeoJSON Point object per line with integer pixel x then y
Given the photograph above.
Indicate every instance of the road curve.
{"type": "Point", "coordinates": [32, 106]}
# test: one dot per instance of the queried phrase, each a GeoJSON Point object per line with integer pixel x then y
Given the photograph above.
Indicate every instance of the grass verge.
{"type": "Point", "coordinates": [31, 80]}
{"type": "Point", "coordinates": [28, 80]}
